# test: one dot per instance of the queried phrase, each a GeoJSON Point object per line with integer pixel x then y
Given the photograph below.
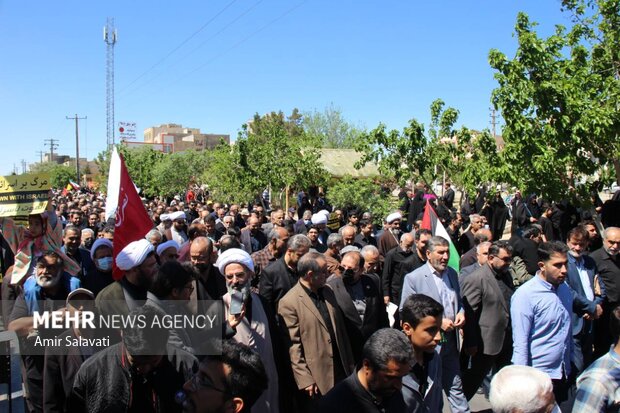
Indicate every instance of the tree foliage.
{"type": "Point", "coordinates": [365, 194]}
{"type": "Point", "coordinates": [330, 128]}
{"type": "Point", "coordinates": [272, 151]}
{"type": "Point", "coordinates": [559, 97]}
{"type": "Point", "coordinates": [60, 175]}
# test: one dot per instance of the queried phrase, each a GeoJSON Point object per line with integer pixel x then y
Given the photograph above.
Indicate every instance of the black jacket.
{"type": "Point", "coordinates": [105, 382]}
{"type": "Point", "coordinates": [609, 273]}
{"type": "Point", "coordinates": [349, 396]}
{"type": "Point", "coordinates": [275, 282]}
{"type": "Point", "coordinates": [375, 316]}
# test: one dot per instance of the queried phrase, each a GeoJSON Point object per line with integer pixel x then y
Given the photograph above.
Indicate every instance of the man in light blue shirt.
{"type": "Point", "coordinates": [541, 319]}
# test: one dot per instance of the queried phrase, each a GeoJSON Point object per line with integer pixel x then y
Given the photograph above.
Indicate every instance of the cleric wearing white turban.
{"type": "Point", "coordinates": [393, 217]}
{"type": "Point", "coordinates": [168, 244]}
{"type": "Point", "coordinates": [319, 219]}
{"type": "Point", "coordinates": [134, 254]}
{"type": "Point", "coordinates": [234, 256]}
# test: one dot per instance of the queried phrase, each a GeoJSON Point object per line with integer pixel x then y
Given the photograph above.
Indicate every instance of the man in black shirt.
{"type": "Point", "coordinates": [375, 387]}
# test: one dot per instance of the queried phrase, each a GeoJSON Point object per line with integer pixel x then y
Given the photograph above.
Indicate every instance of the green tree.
{"type": "Point", "coordinates": [365, 194]}
{"type": "Point", "coordinates": [411, 154]}
{"type": "Point", "coordinates": [559, 98]}
{"type": "Point", "coordinates": [60, 175]}
{"type": "Point", "coordinates": [330, 128]}
{"type": "Point", "coordinates": [272, 151]}
{"type": "Point", "coordinates": [174, 172]}
{"type": "Point", "coordinates": [141, 164]}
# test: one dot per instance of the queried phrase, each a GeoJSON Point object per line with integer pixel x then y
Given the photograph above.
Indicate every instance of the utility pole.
{"type": "Point", "coordinates": [77, 146]}
{"type": "Point", "coordinates": [494, 121]}
{"type": "Point", "coordinates": [40, 153]}
{"type": "Point", "coordinates": [24, 166]}
{"type": "Point", "coordinates": [109, 37]}
{"type": "Point", "coordinates": [53, 145]}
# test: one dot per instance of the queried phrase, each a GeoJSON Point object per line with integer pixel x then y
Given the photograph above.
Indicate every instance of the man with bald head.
{"type": "Point", "coordinates": [348, 233]}
{"type": "Point", "coordinates": [210, 284]}
{"type": "Point", "coordinates": [278, 237]}
{"type": "Point", "coordinates": [253, 236]}
{"type": "Point", "coordinates": [607, 259]}
{"type": "Point", "coordinates": [470, 257]}
{"type": "Point", "coordinates": [394, 268]}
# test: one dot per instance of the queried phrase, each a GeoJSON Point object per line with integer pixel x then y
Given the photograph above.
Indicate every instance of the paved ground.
{"type": "Point", "coordinates": [477, 405]}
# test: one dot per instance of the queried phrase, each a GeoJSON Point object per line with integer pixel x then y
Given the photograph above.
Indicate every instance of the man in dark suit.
{"type": "Point", "coordinates": [487, 336]}
{"type": "Point", "coordinates": [281, 275]}
{"type": "Point", "coordinates": [440, 282]}
{"type": "Point", "coordinates": [319, 347]}
{"type": "Point", "coordinates": [608, 264]}
{"type": "Point", "coordinates": [482, 256]}
{"type": "Point", "coordinates": [587, 306]}
{"type": "Point", "coordinates": [361, 300]}
{"type": "Point", "coordinates": [466, 241]}
{"type": "Point", "coordinates": [448, 196]}
{"type": "Point", "coordinates": [393, 271]}
{"type": "Point", "coordinates": [471, 256]}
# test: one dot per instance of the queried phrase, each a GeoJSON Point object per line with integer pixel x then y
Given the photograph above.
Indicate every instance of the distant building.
{"type": "Point", "coordinates": [176, 138]}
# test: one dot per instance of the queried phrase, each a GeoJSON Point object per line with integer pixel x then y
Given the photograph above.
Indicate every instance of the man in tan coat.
{"type": "Point", "coordinates": [319, 349]}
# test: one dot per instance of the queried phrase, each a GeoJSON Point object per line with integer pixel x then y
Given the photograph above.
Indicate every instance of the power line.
{"type": "Point", "coordinates": [53, 145]}
{"type": "Point", "coordinates": [77, 145]}
{"type": "Point", "coordinates": [170, 53]}
{"type": "Point", "coordinates": [239, 43]}
{"type": "Point", "coordinates": [129, 92]}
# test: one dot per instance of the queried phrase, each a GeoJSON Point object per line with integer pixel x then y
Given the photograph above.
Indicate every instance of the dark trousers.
{"type": "Point", "coordinates": [474, 369]}
{"type": "Point", "coordinates": [564, 391]}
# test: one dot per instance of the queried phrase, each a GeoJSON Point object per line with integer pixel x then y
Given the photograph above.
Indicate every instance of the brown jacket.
{"type": "Point", "coordinates": [310, 345]}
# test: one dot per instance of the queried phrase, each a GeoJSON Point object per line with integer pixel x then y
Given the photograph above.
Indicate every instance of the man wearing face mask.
{"type": "Point", "coordinates": [88, 237]}
{"type": "Point", "coordinates": [361, 300]}
{"type": "Point", "coordinates": [139, 264]}
{"type": "Point", "coordinates": [391, 236]}
{"type": "Point", "coordinates": [302, 225]}
{"type": "Point", "coordinates": [256, 325]}
{"type": "Point", "coordinates": [99, 274]}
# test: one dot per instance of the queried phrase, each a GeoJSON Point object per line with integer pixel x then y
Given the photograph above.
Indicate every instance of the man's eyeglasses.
{"type": "Point", "coordinates": [199, 381]}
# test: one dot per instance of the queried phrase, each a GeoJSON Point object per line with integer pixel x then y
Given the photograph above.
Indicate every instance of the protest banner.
{"type": "Point", "coordinates": [23, 194]}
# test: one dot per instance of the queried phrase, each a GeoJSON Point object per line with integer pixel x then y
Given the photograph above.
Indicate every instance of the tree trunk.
{"type": "Point", "coordinates": [617, 168]}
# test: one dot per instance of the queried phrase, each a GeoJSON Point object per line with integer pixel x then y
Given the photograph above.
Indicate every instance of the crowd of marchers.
{"type": "Point", "coordinates": [323, 308]}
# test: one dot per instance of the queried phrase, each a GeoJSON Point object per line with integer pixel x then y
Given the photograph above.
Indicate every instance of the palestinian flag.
{"type": "Point", "coordinates": [432, 223]}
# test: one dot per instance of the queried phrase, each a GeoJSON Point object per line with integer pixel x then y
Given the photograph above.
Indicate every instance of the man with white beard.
{"type": "Point", "coordinates": [45, 290]}
{"type": "Point", "coordinates": [256, 326]}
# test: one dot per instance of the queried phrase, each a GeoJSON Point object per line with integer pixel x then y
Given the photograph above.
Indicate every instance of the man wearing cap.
{"type": "Point", "coordinates": [137, 261]}
{"type": "Point", "coordinates": [257, 327]}
{"type": "Point", "coordinates": [391, 236]}
{"type": "Point", "coordinates": [99, 274]}
{"type": "Point", "coordinates": [168, 251]}
{"type": "Point", "coordinates": [178, 230]}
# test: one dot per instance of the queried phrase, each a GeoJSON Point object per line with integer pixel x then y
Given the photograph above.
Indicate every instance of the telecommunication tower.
{"type": "Point", "coordinates": [109, 37]}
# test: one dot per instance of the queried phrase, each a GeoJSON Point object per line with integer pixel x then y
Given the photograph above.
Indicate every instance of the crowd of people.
{"type": "Point", "coordinates": [322, 309]}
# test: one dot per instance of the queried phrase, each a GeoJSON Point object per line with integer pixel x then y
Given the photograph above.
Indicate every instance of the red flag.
{"type": "Point", "coordinates": [427, 220]}
{"type": "Point", "coordinates": [132, 220]}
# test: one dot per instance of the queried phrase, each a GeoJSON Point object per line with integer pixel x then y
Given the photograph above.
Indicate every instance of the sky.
{"type": "Point", "coordinates": [214, 64]}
